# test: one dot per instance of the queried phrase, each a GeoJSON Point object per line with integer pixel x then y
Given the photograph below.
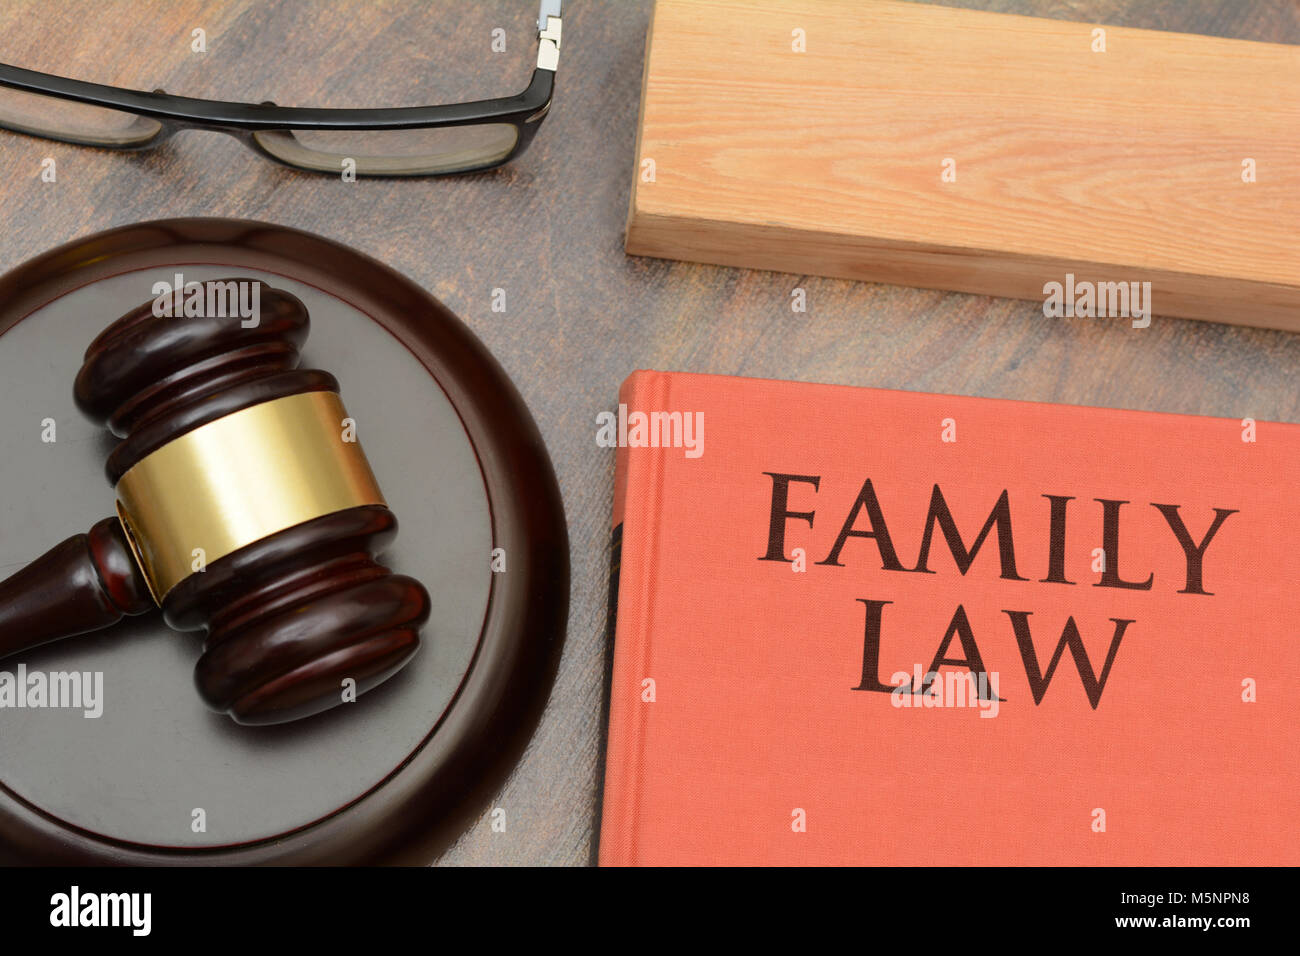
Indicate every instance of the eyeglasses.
{"type": "Point", "coordinates": [405, 141]}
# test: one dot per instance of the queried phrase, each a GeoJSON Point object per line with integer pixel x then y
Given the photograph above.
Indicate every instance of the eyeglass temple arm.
{"type": "Point", "coordinates": [548, 35]}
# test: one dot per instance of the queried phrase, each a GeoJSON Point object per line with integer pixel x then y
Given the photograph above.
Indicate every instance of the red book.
{"type": "Point", "coordinates": [858, 626]}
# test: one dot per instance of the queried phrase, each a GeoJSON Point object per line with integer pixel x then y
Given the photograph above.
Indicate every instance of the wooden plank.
{"type": "Point", "coordinates": [1122, 165]}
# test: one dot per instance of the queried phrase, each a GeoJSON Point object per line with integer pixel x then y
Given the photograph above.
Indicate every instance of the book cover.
{"type": "Point", "coordinates": [858, 626]}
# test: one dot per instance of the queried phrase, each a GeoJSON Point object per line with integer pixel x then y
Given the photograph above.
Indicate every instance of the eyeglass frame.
{"type": "Point", "coordinates": [243, 121]}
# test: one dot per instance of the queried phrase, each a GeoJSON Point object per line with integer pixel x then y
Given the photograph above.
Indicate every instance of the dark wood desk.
{"type": "Point", "coordinates": [579, 314]}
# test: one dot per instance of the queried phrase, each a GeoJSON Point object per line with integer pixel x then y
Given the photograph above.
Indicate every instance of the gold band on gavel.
{"type": "Point", "coordinates": [238, 480]}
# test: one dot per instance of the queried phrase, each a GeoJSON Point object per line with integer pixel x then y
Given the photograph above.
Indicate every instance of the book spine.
{"type": "Point", "coordinates": [637, 496]}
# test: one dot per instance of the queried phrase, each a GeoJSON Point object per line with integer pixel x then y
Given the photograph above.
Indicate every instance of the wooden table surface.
{"type": "Point", "coordinates": [580, 315]}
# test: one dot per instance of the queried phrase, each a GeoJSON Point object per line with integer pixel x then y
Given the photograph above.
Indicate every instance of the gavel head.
{"type": "Point", "coordinates": [248, 503]}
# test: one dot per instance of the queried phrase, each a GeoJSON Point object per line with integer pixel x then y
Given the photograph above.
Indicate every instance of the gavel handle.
{"type": "Point", "coordinates": [84, 584]}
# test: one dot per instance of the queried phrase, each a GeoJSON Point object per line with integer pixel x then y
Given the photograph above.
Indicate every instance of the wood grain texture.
{"type": "Point", "coordinates": [1115, 165]}
{"type": "Point", "coordinates": [581, 315]}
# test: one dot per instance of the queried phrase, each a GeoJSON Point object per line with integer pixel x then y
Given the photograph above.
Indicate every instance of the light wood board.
{"type": "Point", "coordinates": [1119, 166]}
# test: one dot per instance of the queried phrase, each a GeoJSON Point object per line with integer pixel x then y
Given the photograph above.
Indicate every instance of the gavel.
{"type": "Point", "coordinates": [246, 510]}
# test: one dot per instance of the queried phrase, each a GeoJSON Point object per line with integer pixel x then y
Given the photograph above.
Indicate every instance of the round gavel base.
{"type": "Point", "coordinates": [156, 778]}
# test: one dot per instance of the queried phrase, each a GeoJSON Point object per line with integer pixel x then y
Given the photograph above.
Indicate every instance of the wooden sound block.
{"type": "Point", "coordinates": [978, 152]}
{"type": "Point", "coordinates": [157, 778]}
